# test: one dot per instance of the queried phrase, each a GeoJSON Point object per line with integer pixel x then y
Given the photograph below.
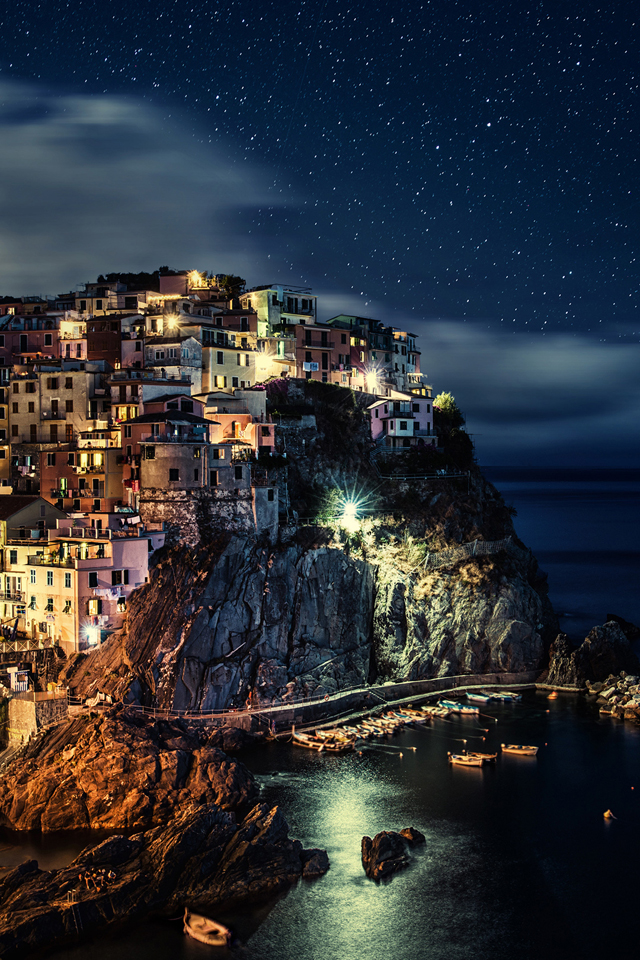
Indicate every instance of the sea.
{"type": "Point", "coordinates": [519, 860]}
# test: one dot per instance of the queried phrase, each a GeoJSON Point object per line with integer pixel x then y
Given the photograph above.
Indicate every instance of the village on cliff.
{"type": "Point", "coordinates": [136, 407]}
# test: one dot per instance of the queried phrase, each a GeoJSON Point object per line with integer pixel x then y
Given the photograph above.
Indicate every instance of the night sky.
{"type": "Point", "coordinates": [464, 170]}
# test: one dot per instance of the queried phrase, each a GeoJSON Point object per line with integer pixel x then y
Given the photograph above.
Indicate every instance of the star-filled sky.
{"type": "Point", "coordinates": [465, 170]}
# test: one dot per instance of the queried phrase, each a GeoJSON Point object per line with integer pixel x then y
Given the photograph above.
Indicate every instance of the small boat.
{"type": "Point", "coordinates": [519, 749]}
{"type": "Point", "coordinates": [553, 695]}
{"type": "Point", "coordinates": [507, 696]}
{"type": "Point", "coordinates": [455, 707]}
{"type": "Point", "coordinates": [308, 740]}
{"type": "Point", "coordinates": [465, 759]}
{"type": "Point", "coordinates": [609, 816]}
{"type": "Point", "coordinates": [205, 930]}
{"type": "Point", "coordinates": [479, 697]}
{"type": "Point", "coordinates": [486, 757]}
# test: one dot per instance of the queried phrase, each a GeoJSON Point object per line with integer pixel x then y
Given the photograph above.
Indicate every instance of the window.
{"type": "Point", "coordinates": [13, 556]}
{"type": "Point", "coordinates": [196, 453]}
{"type": "Point", "coordinates": [271, 495]}
{"type": "Point", "coordinates": [217, 454]}
{"type": "Point", "coordinates": [15, 407]}
{"type": "Point", "coordinates": [83, 305]}
{"type": "Point", "coordinates": [213, 477]}
{"type": "Point", "coordinates": [32, 603]}
{"type": "Point", "coordinates": [31, 406]}
{"type": "Point", "coordinates": [159, 354]}
{"type": "Point", "coordinates": [93, 578]}
{"type": "Point", "coordinates": [49, 606]}
{"type": "Point", "coordinates": [127, 432]}
{"type": "Point", "coordinates": [68, 405]}
{"type": "Point", "coordinates": [130, 303]}
{"type": "Point", "coordinates": [71, 459]}
{"type": "Point", "coordinates": [238, 473]}
{"type": "Point", "coordinates": [94, 607]}
{"type": "Point", "coordinates": [118, 577]}
{"type": "Point", "coordinates": [122, 604]}
{"type": "Point", "coordinates": [68, 383]}
{"type": "Point", "coordinates": [51, 459]}
{"type": "Point", "coordinates": [48, 339]}
{"type": "Point", "coordinates": [16, 387]}
{"type": "Point", "coordinates": [196, 474]}
{"type": "Point", "coordinates": [14, 430]}
{"type": "Point", "coordinates": [343, 338]}
{"type": "Point", "coordinates": [234, 381]}
{"type": "Point", "coordinates": [149, 453]}
{"type": "Point", "coordinates": [49, 578]}
{"type": "Point", "coordinates": [403, 424]}
{"type": "Point", "coordinates": [52, 383]}
{"type": "Point", "coordinates": [415, 407]}
{"type": "Point", "coordinates": [67, 606]}
{"type": "Point", "coordinates": [67, 580]}
{"type": "Point", "coordinates": [32, 576]}
{"type": "Point", "coordinates": [221, 381]}
{"type": "Point", "coordinates": [219, 357]}
{"type": "Point", "coordinates": [174, 474]}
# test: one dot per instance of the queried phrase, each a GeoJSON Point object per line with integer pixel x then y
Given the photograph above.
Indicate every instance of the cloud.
{"type": "Point", "coordinates": [548, 400]}
{"type": "Point", "coordinates": [90, 184]}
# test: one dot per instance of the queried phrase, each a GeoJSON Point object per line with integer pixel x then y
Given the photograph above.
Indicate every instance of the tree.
{"type": "Point", "coordinates": [231, 285]}
{"type": "Point", "coordinates": [448, 410]}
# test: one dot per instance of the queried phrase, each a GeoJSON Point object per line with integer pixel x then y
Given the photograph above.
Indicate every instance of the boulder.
{"type": "Point", "coordinates": [384, 854]}
{"type": "Point", "coordinates": [413, 837]}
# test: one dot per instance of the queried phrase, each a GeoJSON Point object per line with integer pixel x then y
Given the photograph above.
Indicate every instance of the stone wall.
{"type": "Point", "coordinates": [190, 515]}
{"type": "Point", "coordinates": [27, 717]}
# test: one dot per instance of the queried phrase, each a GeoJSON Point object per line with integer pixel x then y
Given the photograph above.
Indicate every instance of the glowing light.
{"type": "Point", "coordinates": [194, 278]}
{"type": "Point", "coordinates": [350, 521]}
{"type": "Point", "coordinates": [92, 635]}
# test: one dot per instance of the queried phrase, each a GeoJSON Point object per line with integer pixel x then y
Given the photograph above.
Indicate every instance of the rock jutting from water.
{"type": "Point", "coordinates": [605, 651]}
{"type": "Point", "coordinates": [386, 853]}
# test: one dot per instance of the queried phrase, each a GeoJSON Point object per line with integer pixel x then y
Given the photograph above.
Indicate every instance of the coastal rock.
{"type": "Point", "coordinates": [119, 770]}
{"type": "Point", "coordinates": [604, 652]}
{"type": "Point", "coordinates": [203, 859]}
{"type": "Point", "coordinates": [413, 837]}
{"type": "Point", "coordinates": [384, 854]}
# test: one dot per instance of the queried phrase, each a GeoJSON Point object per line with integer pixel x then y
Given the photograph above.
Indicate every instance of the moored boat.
{"type": "Point", "coordinates": [479, 697]}
{"type": "Point", "coordinates": [465, 759]}
{"type": "Point", "coordinates": [553, 695]}
{"type": "Point", "coordinates": [485, 757]}
{"type": "Point", "coordinates": [456, 707]}
{"type": "Point", "coordinates": [520, 749]}
{"type": "Point", "coordinates": [206, 930]}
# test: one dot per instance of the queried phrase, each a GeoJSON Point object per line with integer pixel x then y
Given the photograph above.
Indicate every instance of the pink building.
{"type": "Point", "coordinates": [402, 421]}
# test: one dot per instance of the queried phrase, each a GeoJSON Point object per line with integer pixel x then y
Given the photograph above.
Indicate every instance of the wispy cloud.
{"type": "Point", "coordinates": [97, 183]}
{"type": "Point", "coordinates": [556, 399]}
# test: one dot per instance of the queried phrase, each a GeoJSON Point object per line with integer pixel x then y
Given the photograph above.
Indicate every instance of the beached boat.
{"type": "Point", "coordinates": [455, 707]}
{"type": "Point", "coordinates": [206, 930]}
{"type": "Point", "coordinates": [523, 751]}
{"type": "Point", "coordinates": [465, 759]}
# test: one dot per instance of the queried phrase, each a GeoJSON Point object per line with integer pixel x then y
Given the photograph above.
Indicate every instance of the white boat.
{"type": "Point", "coordinates": [465, 759]}
{"type": "Point", "coordinates": [485, 757]}
{"type": "Point", "coordinates": [506, 695]}
{"type": "Point", "coordinates": [479, 697]}
{"type": "Point", "coordinates": [523, 751]}
{"type": "Point", "coordinates": [205, 930]}
{"type": "Point", "coordinates": [457, 707]}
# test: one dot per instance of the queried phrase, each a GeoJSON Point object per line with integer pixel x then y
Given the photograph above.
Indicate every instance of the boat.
{"type": "Point", "coordinates": [206, 930]}
{"type": "Point", "coordinates": [553, 695]}
{"type": "Point", "coordinates": [523, 751]}
{"type": "Point", "coordinates": [308, 740]}
{"type": "Point", "coordinates": [486, 757]}
{"type": "Point", "coordinates": [479, 697]}
{"type": "Point", "coordinates": [465, 759]}
{"type": "Point", "coordinates": [507, 696]}
{"type": "Point", "coordinates": [455, 707]}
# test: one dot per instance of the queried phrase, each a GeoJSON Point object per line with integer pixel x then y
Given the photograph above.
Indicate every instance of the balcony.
{"type": "Point", "coordinates": [53, 415]}
{"type": "Point", "coordinates": [170, 438]}
{"type": "Point", "coordinates": [317, 345]}
{"type": "Point", "coordinates": [12, 596]}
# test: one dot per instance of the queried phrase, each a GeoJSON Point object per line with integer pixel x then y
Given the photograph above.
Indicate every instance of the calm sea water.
{"type": "Point", "coordinates": [518, 861]}
{"type": "Point", "coordinates": [584, 528]}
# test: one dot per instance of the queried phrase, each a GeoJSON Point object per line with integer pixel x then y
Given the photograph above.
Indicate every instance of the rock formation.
{"type": "Point", "coordinates": [618, 696]}
{"type": "Point", "coordinates": [120, 771]}
{"type": "Point", "coordinates": [387, 851]}
{"type": "Point", "coordinates": [605, 651]}
{"type": "Point", "coordinates": [202, 859]}
{"type": "Point", "coordinates": [281, 621]}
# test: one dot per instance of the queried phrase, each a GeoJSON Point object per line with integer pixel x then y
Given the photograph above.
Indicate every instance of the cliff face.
{"type": "Point", "coordinates": [212, 628]}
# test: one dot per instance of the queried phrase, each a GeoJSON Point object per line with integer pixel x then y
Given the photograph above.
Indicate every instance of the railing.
{"type": "Point", "coordinates": [318, 344]}
{"type": "Point", "coordinates": [58, 415]}
{"type": "Point", "coordinates": [12, 596]}
{"type": "Point", "coordinates": [40, 560]}
{"type": "Point", "coordinates": [168, 438]}
{"type": "Point", "coordinates": [476, 548]}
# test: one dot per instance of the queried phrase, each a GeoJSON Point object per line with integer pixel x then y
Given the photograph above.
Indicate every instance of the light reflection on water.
{"type": "Point", "coordinates": [518, 857]}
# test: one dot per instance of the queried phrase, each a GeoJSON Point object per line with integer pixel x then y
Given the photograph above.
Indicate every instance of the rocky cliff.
{"type": "Point", "coordinates": [326, 611]}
